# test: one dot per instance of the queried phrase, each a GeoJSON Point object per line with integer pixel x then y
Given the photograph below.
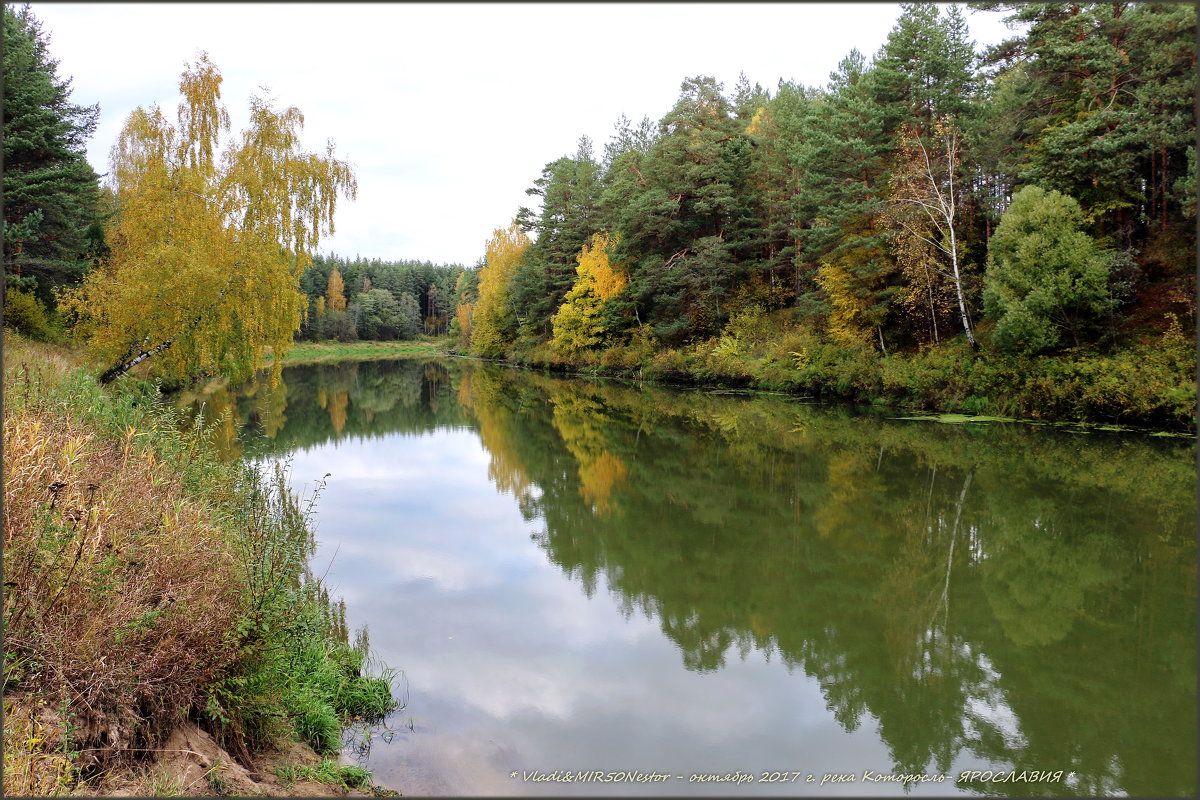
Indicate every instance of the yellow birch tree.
{"type": "Point", "coordinates": [577, 324]}
{"type": "Point", "coordinates": [493, 323]}
{"type": "Point", "coordinates": [206, 252]}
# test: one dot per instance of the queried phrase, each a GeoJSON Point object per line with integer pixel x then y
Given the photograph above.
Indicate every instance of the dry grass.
{"type": "Point", "coordinates": [146, 582]}
{"type": "Point", "coordinates": [121, 589]}
{"type": "Point", "coordinates": [34, 764]}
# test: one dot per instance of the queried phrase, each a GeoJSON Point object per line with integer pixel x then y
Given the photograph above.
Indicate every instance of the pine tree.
{"type": "Point", "coordinates": [925, 71]}
{"type": "Point", "coordinates": [1108, 112]}
{"type": "Point", "coordinates": [51, 193]}
{"type": "Point", "coordinates": [687, 228]}
{"type": "Point", "coordinates": [570, 192]}
{"type": "Point", "coordinates": [837, 200]}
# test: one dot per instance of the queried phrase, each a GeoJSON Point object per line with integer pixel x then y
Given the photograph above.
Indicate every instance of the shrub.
{"type": "Point", "coordinates": [122, 585]}
{"type": "Point", "coordinates": [668, 364]}
{"type": "Point", "coordinates": [850, 372]}
{"type": "Point", "coordinates": [25, 313]}
{"type": "Point", "coordinates": [293, 651]}
{"type": "Point", "coordinates": [146, 579]}
{"type": "Point", "coordinates": [1045, 276]}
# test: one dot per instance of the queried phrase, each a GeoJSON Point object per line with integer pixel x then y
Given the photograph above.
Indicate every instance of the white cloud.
{"type": "Point", "coordinates": [448, 111]}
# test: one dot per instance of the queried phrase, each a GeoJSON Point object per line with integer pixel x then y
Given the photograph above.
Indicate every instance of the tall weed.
{"type": "Point", "coordinates": [146, 579]}
{"type": "Point", "coordinates": [121, 589]}
{"type": "Point", "coordinates": [296, 673]}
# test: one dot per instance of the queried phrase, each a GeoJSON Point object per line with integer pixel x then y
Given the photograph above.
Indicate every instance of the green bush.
{"type": "Point", "coordinates": [725, 358]}
{"type": "Point", "coordinates": [25, 313]}
{"type": "Point", "coordinates": [849, 372]}
{"type": "Point", "coordinates": [293, 653]}
{"type": "Point", "coordinates": [1046, 277]}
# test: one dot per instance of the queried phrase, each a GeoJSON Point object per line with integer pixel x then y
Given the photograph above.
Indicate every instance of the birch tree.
{"type": "Point", "coordinates": [578, 324]}
{"type": "Point", "coordinates": [494, 322]}
{"type": "Point", "coordinates": [926, 179]}
{"type": "Point", "coordinates": [207, 246]}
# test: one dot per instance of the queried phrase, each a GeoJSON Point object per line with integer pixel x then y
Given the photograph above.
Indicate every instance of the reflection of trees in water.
{"type": "Point", "coordinates": [954, 584]}
{"type": "Point", "coordinates": [504, 469]}
{"type": "Point", "coordinates": [581, 423]}
{"type": "Point", "coordinates": [1024, 596]}
{"type": "Point", "coordinates": [337, 410]}
{"type": "Point", "coordinates": [324, 402]}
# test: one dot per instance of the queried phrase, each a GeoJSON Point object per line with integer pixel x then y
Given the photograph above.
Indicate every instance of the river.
{"type": "Point", "coordinates": [604, 589]}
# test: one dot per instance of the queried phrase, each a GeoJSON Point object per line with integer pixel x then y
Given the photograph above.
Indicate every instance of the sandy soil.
{"type": "Point", "coordinates": [188, 758]}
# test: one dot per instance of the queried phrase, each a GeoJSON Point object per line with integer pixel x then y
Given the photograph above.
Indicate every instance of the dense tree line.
{"type": "Point", "coordinates": [377, 300]}
{"type": "Point", "coordinates": [1035, 197]}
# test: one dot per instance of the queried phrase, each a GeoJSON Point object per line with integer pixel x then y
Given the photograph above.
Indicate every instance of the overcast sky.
{"type": "Point", "coordinates": [448, 112]}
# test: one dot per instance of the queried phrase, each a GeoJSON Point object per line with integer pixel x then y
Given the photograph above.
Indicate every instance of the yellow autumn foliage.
{"type": "Point", "coordinates": [493, 322]}
{"type": "Point", "coordinates": [757, 121]}
{"type": "Point", "coordinates": [338, 402]}
{"type": "Point", "coordinates": [577, 324]}
{"type": "Point", "coordinates": [856, 285]}
{"type": "Point", "coordinates": [580, 422]}
{"type": "Point", "coordinates": [335, 292]}
{"type": "Point", "coordinates": [481, 393]}
{"type": "Point", "coordinates": [848, 324]}
{"type": "Point", "coordinates": [206, 251]}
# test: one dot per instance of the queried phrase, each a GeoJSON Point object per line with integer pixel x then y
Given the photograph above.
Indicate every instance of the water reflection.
{"type": "Point", "coordinates": [1003, 597]}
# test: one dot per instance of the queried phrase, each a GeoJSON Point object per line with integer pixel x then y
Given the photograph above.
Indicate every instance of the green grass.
{"type": "Point", "coordinates": [328, 772]}
{"type": "Point", "coordinates": [107, 483]}
{"type": "Point", "coordinates": [317, 352]}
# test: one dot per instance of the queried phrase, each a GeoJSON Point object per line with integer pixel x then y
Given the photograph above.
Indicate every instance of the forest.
{"type": "Point", "coordinates": [376, 300]}
{"type": "Point", "coordinates": [1027, 206]}
{"type": "Point", "coordinates": [1000, 232]}
{"type": "Point", "coordinates": [1008, 230]}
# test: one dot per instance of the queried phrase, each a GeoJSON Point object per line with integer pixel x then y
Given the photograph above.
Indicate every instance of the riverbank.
{"type": "Point", "coordinates": [151, 587]}
{"type": "Point", "coordinates": [322, 352]}
{"type": "Point", "coordinates": [1149, 384]}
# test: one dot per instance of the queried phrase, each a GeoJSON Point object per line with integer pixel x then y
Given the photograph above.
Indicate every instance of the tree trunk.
{"type": "Point", "coordinates": [1163, 193]}
{"type": "Point", "coordinates": [933, 316]}
{"type": "Point", "coordinates": [962, 303]}
{"type": "Point", "coordinates": [121, 367]}
{"type": "Point", "coordinates": [126, 363]}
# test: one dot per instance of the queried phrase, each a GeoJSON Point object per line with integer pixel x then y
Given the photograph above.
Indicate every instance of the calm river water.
{"type": "Point", "coordinates": [582, 580]}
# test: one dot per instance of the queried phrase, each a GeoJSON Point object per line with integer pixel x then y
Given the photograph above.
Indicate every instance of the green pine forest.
{"type": "Point", "coordinates": [1009, 230]}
